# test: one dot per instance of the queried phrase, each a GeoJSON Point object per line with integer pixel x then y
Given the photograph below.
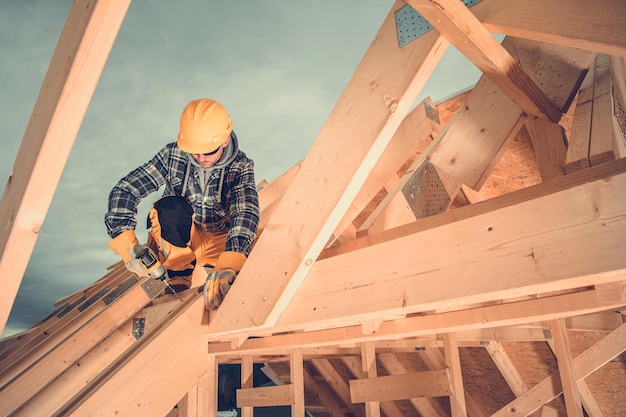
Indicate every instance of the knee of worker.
{"type": "Point", "coordinates": [170, 220]}
{"type": "Point", "coordinates": [170, 223]}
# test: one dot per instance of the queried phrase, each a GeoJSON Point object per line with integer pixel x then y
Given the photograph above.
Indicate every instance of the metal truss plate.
{"type": "Point", "coordinates": [153, 287]}
{"type": "Point", "coordinates": [139, 326]}
{"type": "Point", "coordinates": [70, 307]}
{"type": "Point", "coordinates": [84, 306]}
{"type": "Point", "coordinates": [411, 25]}
{"type": "Point", "coordinates": [425, 192]}
{"type": "Point", "coordinates": [119, 290]}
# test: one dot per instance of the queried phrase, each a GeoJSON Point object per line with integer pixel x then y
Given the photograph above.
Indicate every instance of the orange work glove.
{"type": "Point", "coordinates": [219, 281]}
{"type": "Point", "coordinates": [123, 244]}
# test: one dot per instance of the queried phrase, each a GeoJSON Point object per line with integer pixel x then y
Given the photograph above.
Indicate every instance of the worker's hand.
{"type": "Point", "coordinates": [123, 244]}
{"type": "Point", "coordinates": [219, 281]}
{"type": "Point", "coordinates": [216, 287]}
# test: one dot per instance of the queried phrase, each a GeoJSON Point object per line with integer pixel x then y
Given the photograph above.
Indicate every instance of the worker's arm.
{"type": "Point", "coordinates": [130, 190]}
{"type": "Point", "coordinates": [244, 209]}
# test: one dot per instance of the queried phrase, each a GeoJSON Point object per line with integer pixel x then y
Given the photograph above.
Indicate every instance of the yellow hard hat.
{"type": "Point", "coordinates": [204, 126]}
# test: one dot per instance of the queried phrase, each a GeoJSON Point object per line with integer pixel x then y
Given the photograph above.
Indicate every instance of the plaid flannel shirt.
{"type": "Point", "coordinates": [229, 202]}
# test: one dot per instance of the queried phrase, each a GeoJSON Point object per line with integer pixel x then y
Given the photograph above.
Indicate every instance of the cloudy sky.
{"type": "Point", "coordinates": [278, 66]}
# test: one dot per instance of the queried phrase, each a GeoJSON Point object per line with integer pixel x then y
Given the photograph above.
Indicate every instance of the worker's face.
{"type": "Point", "coordinates": [207, 160]}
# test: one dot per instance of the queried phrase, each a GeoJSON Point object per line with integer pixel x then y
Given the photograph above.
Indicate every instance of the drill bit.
{"type": "Point", "coordinates": [165, 278]}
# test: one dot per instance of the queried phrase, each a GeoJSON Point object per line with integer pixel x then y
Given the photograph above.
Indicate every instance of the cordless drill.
{"type": "Point", "coordinates": [150, 263]}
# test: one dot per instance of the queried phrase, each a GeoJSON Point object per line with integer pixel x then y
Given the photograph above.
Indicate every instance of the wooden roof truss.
{"type": "Point", "coordinates": [382, 270]}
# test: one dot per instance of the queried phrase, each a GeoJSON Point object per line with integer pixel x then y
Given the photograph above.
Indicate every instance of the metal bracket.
{"type": "Point", "coordinates": [139, 325]}
{"type": "Point", "coordinates": [84, 306]}
{"type": "Point", "coordinates": [153, 287]}
{"type": "Point", "coordinates": [119, 290]}
{"type": "Point", "coordinates": [425, 193]}
{"type": "Point", "coordinates": [411, 25]}
{"type": "Point", "coordinates": [70, 307]}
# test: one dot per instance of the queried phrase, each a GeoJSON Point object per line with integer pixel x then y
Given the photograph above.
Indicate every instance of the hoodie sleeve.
{"type": "Point", "coordinates": [244, 209]}
{"type": "Point", "coordinates": [130, 190]}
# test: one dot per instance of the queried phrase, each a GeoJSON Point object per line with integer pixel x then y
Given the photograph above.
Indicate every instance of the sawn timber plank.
{"type": "Point", "coordinates": [79, 58]}
{"type": "Point", "coordinates": [521, 249]}
{"type": "Point", "coordinates": [351, 141]}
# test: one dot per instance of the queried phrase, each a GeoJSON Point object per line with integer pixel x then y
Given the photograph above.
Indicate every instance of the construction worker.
{"type": "Point", "coordinates": [209, 212]}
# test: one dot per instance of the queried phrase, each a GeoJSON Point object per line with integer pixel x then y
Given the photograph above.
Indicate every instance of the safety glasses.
{"type": "Point", "coordinates": [212, 152]}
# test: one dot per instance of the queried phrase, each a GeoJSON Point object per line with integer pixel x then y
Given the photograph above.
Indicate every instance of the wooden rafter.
{"type": "Point", "coordinates": [74, 71]}
{"type": "Point", "coordinates": [587, 362]}
{"type": "Point", "coordinates": [329, 179]}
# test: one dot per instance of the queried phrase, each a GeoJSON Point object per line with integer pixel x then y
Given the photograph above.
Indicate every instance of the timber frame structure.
{"type": "Point", "coordinates": [388, 280]}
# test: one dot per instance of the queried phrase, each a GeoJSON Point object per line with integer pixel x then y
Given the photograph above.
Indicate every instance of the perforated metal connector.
{"type": "Point", "coordinates": [425, 193]}
{"type": "Point", "coordinates": [411, 25]}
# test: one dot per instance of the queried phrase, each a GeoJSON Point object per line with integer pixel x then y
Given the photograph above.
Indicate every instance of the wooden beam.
{"type": "Point", "coordinates": [577, 156]}
{"type": "Point", "coordinates": [365, 118]}
{"type": "Point", "coordinates": [481, 257]}
{"type": "Point", "coordinates": [434, 359]}
{"type": "Point", "coordinates": [207, 392]}
{"type": "Point", "coordinates": [188, 406]}
{"type": "Point", "coordinates": [476, 138]}
{"type": "Point", "coordinates": [550, 146]}
{"type": "Point", "coordinates": [453, 362]}
{"type": "Point", "coordinates": [401, 386]}
{"type": "Point", "coordinates": [247, 382]}
{"type": "Point", "coordinates": [409, 140]}
{"type": "Point", "coordinates": [58, 327]}
{"type": "Point", "coordinates": [81, 52]}
{"type": "Point", "coordinates": [339, 386]}
{"type": "Point", "coordinates": [196, 402]}
{"type": "Point", "coordinates": [595, 26]}
{"type": "Point", "coordinates": [210, 402]}
{"type": "Point", "coordinates": [599, 322]}
{"type": "Point", "coordinates": [566, 371]}
{"type": "Point", "coordinates": [22, 381]}
{"type": "Point", "coordinates": [480, 133]}
{"type": "Point", "coordinates": [394, 191]}
{"type": "Point", "coordinates": [508, 370]}
{"type": "Point", "coordinates": [591, 406]}
{"type": "Point", "coordinates": [457, 23]}
{"type": "Point", "coordinates": [393, 366]}
{"type": "Point", "coordinates": [181, 336]}
{"type": "Point", "coordinates": [271, 195]}
{"type": "Point", "coordinates": [54, 395]}
{"type": "Point", "coordinates": [559, 70]}
{"type": "Point", "coordinates": [509, 314]}
{"type": "Point", "coordinates": [296, 372]}
{"type": "Point", "coordinates": [355, 364]}
{"type": "Point", "coordinates": [602, 141]}
{"type": "Point", "coordinates": [265, 396]}
{"type": "Point", "coordinates": [617, 67]}
{"type": "Point", "coordinates": [324, 395]}
{"type": "Point", "coordinates": [589, 361]}
{"type": "Point", "coordinates": [506, 367]}
{"type": "Point", "coordinates": [368, 361]}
